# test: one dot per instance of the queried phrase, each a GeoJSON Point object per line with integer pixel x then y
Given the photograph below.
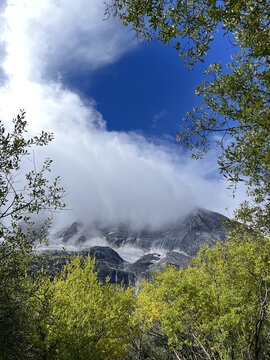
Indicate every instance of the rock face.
{"type": "Point", "coordinates": [125, 255]}
{"type": "Point", "coordinates": [187, 235]}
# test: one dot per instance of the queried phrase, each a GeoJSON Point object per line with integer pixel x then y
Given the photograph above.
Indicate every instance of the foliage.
{"type": "Point", "coordinates": [87, 319]}
{"type": "Point", "coordinates": [190, 25]}
{"type": "Point", "coordinates": [235, 98]}
{"type": "Point", "coordinates": [236, 104]}
{"type": "Point", "coordinates": [219, 307]}
{"type": "Point", "coordinates": [19, 200]}
{"type": "Point", "coordinates": [149, 344]}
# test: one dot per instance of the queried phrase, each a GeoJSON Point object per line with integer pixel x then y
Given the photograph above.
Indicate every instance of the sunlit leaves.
{"type": "Point", "coordinates": [219, 307]}
{"type": "Point", "coordinates": [22, 195]}
{"type": "Point", "coordinates": [88, 319]}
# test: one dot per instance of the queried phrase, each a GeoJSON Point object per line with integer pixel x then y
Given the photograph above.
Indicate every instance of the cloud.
{"type": "Point", "coordinates": [109, 176]}
{"type": "Point", "coordinates": [51, 37]}
{"type": "Point", "coordinates": [158, 117]}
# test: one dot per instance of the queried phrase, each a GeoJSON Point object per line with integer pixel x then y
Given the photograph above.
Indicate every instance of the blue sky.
{"type": "Point", "coordinates": [152, 81]}
{"type": "Point", "coordinates": [114, 108]}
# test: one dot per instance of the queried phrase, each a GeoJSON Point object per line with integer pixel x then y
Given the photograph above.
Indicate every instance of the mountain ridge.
{"type": "Point", "coordinates": [125, 255]}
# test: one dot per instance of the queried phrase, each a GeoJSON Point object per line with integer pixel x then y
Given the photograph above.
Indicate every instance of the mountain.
{"type": "Point", "coordinates": [125, 254]}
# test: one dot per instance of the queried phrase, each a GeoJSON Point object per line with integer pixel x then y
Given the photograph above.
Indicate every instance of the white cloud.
{"type": "Point", "coordinates": [158, 117]}
{"type": "Point", "coordinates": [109, 176]}
{"type": "Point", "coordinates": [52, 37]}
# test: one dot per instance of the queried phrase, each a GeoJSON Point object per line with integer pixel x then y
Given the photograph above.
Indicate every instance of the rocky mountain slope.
{"type": "Point", "coordinates": [125, 255]}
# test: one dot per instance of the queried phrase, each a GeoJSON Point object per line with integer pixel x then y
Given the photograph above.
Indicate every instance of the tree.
{"type": "Point", "coordinates": [190, 25]}
{"type": "Point", "coordinates": [87, 319]}
{"type": "Point", "coordinates": [235, 101]}
{"type": "Point", "coordinates": [20, 199]}
{"type": "Point", "coordinates": [219, 307]}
